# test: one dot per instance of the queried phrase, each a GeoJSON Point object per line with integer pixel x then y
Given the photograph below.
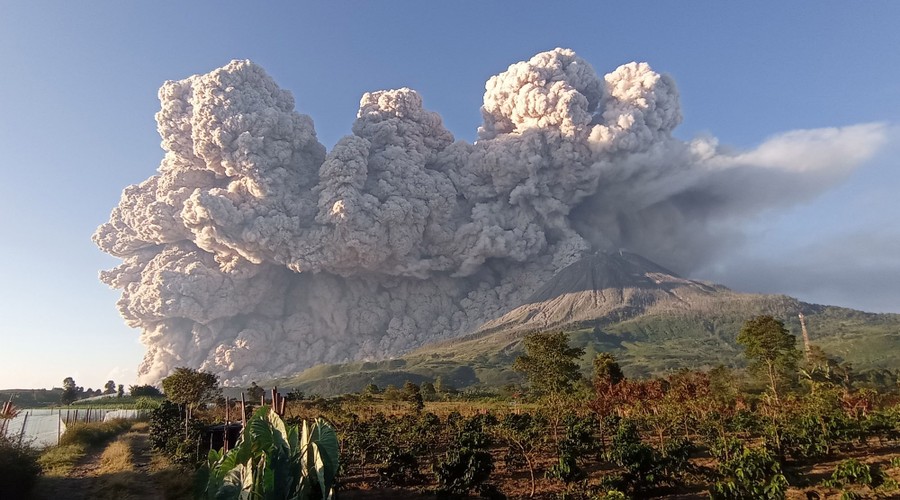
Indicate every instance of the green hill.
{"type": "Point", "coordinates": [653, 321]}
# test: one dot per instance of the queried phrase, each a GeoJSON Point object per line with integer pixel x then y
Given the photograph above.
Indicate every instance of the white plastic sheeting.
{"type": "Point", "coordinates": [124, 414]}
{"type": "Point", "coordinates": [41, 427]}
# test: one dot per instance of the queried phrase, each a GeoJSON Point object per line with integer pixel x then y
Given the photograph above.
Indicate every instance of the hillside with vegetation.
{"type": "Point", "coordinates": [653, 321]}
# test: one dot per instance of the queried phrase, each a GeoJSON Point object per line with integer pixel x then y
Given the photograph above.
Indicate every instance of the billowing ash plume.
{"type": "Point", "coordinates": [255, 252]}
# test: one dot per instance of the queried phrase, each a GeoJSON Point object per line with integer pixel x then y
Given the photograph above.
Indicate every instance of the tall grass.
{"type": "Point", "coordinates": [74, 444]}
{"type": "Point", "coordinates": [117, 457]}
{"type": "Point", "coordinates": [94, 433]}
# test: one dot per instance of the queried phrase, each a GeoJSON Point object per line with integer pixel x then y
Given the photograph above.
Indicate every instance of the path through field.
{"type": "Point", "coordinates": [126, 469]}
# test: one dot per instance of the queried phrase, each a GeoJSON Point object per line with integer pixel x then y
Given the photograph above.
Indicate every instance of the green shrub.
{"type": "Point", "coordinates": [468, 464]}
{"type": "Point", "coordinates": [463, 469]}
{"type": "Point", "coordinates": [19, 467]}
{"type": "Point", "coordinates": [645, 467]}
{"type": "Point", "coordinates": [167, 434]}
{"type": "Point", "coordinates": [749, 473]}
{"type": "Point", "coordinates": [852, 471]}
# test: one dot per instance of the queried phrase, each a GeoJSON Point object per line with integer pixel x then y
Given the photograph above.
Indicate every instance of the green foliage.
{"type": "Point", "coordinates": [770, 348]}
{"type": "Point", "coordinates": [649, 344]}
{"type": "Point", "coordinates": [189, 387]}
{"type": "Point", "coordinates": [607, 370]}
{"type": "Point", "coordinates": [394, 446]}
{"type": "Point", "coordinates": [577, 443]}
{"type": "Point", "coordinates": [413, 395]}
{"type": "Point", "coordinates": [463, 469]}
{"type": "Point", "coordinates": [274, 461]}
{"type": "Point", "coordinates": [167, 434]}
{"type": "Point", "coordinates": [852, 471]}
{"type": "Point", "coordinates": [146, 403]}
{"type": "Point", "coordinates": [19, 468]}
{"type": "Point", "coordinates": [549, 364]}
{"type": "Point", "coordinates": [255, 393]}
{"type": "Point", "coordinates": [138, 391]}
{"type": "Point", "coordinates": [749, 473]}
{"type": "Point", "coordinates": [467, 464]}
{"type": "Point", "coordinates": [70, 391]}
{"type": "Point", "coordinates": [429, 393]}
{"type": "Point", "coordinates": [644, 466]}
{"type": "Point", "coordinates": [814, 425]}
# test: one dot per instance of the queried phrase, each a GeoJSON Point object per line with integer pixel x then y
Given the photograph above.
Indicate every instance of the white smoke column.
{"type": "Point", "coordinates": [252, 253]}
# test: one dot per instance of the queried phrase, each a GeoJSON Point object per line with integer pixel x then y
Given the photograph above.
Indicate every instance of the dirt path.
{"type": "Point", "coordinates": [143, 478]}
{"type": "Point", "coordinates": [76, 485]}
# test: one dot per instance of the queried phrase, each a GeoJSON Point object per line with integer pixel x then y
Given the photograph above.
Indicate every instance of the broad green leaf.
{"type": "Point", "coordinates": [328, 446]}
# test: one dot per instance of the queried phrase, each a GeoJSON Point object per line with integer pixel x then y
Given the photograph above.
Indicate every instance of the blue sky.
{"type": "Point", "coordinates": [78, 95]}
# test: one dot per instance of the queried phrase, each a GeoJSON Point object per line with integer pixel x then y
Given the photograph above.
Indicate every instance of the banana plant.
{"type": "Point", "coordinates": [273, 461]}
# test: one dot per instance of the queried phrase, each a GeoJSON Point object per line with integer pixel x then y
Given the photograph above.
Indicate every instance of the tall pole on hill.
{"type": "Point", "coordinates": [805, 335]}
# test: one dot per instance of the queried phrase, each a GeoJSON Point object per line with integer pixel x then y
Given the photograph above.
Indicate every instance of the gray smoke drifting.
{"type": "Point", "coordinates": [254, 252]}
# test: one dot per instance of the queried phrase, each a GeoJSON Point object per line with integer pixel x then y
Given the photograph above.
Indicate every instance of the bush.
{"type": "Point", "coordinates": [19, 466]}
{"type": "Point", "coordinates": [463, 469]}
{"type": "Point", "coordinates": [852, 471]}
{"type": "Point", "coordinates": [749, 473]}
{"type": "Point", "coordinates": [468, 463]}
{"type": "Point", "coordinates": [167, 434]}
{"type": "Point", "coordinates": [644, 466]}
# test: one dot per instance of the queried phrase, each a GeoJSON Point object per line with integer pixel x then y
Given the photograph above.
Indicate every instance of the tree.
{"type": "Point", "coordinates": [255, 393]}
{"type": "Point", "coordinates": [770, 348]}
{"type": "Point", "coordinates": [551, 368]}
{"type": "Point", "coordinates": [391, 393]}
{"type": "Point", "coordinates": [428, 391]}
{"type": "Point", "coordinates": [109, 388]}
{"type": "Point", "coordinates": [190, 387]}
{"type": "Point", "coordinates": [442, 387]}
{"type": "Point", "coordinates": [70, 391]}
{"type": "Point", "coordinates": [120, 391]}
{"type": "Point", "coordinates": [295, 395]}
{"type": "Point", "coordinates": [549, 364]}
{"type": "Point", "coordinates": [412, 394]}
{"type": "Point", "coordinates": [143, 390]}
{"type": "Point", "coordinates": [607, 370]}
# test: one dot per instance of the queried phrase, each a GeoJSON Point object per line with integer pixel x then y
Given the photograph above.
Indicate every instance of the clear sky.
{"type": "Point", "coordinates": [78, 95]}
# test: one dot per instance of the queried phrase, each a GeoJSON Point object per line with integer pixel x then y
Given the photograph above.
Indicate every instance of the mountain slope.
{"type": "Point", "coordinates": [652, 320]}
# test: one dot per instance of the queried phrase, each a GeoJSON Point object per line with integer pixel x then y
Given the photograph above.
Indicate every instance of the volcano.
{"type": "Point", "coordinates": [604, 287]}
{"type": "Point", "coordinates": [651, 319]}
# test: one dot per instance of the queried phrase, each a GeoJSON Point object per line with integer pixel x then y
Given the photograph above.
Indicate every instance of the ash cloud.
{"type": "Point", "coordinates": [255, 252]}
